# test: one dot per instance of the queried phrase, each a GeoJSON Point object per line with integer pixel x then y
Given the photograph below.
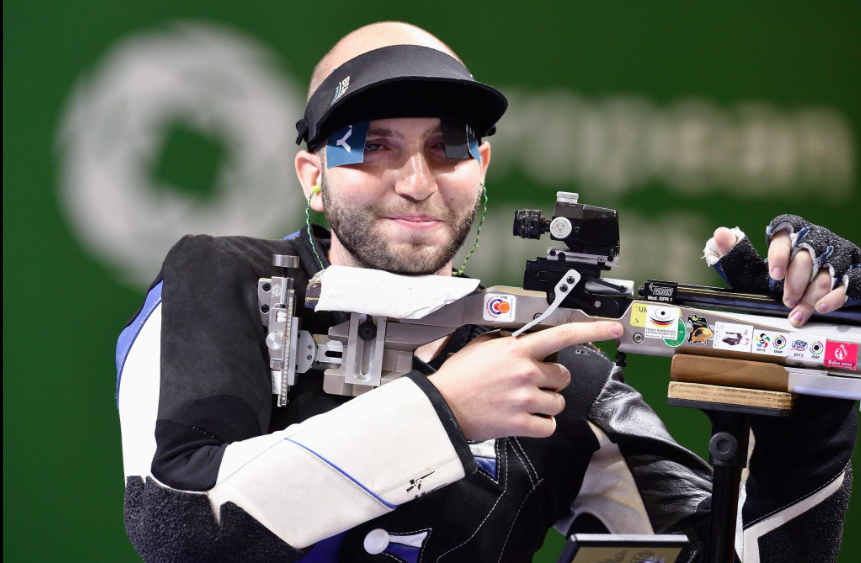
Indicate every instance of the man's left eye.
{"type": "Point", "coordinates": [373, 147]}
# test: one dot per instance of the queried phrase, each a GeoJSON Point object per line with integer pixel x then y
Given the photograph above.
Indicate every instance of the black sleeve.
{"type": "Point", "coordinates": [215, 384]}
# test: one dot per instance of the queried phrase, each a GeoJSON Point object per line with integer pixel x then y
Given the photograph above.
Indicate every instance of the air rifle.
{"type": "Point", "coordinates": [714, 335]}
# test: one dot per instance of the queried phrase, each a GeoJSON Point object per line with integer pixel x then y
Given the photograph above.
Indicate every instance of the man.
{"type": "Point", "coordinates": [468, 460]}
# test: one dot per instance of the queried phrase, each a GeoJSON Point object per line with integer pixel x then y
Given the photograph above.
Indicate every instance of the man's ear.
{"type": "Point", "coordinates": [309, 170]}
{"type": "Point", "coordinates": [484, 151]}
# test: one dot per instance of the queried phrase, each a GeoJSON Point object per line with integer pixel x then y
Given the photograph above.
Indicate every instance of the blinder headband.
{"type": "Point", "coordinates": [399, 81]}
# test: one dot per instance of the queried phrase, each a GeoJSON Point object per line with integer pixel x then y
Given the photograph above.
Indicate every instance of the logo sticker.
{"type": "Point", "coordinates": [700, 333]}
{"type": "Point", "coordinates": [731, 336]}
{"type": "Point", "coordinates": [662, 322]}
{"type": "Point", "coordinates": [779, 343]}
{"type": "Point", "coordinates": [805, 347]}
{"type": "Point", "coordinates": [681, 333]}
{"type": "Point", "coordinates": [841, 355]}
{"type": "Point", "coordinates": [769, 343]}
{"type": "Point", "coordinates": [816, 349]}
{"type": "Point", "coordinates": [638, 314]}
{"type": "Point", "coordinates": [499, 307]}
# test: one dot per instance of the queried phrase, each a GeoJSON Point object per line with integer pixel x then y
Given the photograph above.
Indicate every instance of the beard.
{"type": "Point", "coordinates": [357, 228]}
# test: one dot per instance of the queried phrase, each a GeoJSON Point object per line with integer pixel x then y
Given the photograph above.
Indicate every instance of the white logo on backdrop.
{"type": "Point", "coordinates": [211, 79]}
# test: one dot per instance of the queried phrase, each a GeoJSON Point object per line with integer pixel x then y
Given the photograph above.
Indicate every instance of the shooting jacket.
{"type": "Point", "coordinates": [214, 471]}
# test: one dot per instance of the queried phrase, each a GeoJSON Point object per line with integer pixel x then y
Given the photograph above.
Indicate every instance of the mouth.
{"type": "Point", "coordinates": [416, 221]}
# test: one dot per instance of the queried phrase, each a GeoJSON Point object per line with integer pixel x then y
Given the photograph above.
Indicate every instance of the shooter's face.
{"type": "Point", "coordinates": [407, 208]}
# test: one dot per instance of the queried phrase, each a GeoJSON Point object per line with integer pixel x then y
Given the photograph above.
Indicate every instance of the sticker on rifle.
{"type": "Point", "coordinates": [662, 322]}
{"type": "Point", "coordinates": [816, 350]}
{"type": "Point", "coordinates": [499, 307]}
{"type": "Point", "coordinates": [698, 330]}
{"type": "Point", "coordinates": [841, 355]}
{"type": "Point", "coordinates": [638, 314]}
{"type": "Point", "coordinates": [681, 334]}
{"type": "Point", "coordinates": [731, 336]}
{"type": "Point", "coordinates": [806, 347]}
{"type": "Point", "coordinates": [660, 291]}
{"type": "Point", "coordinates": [770, 343]}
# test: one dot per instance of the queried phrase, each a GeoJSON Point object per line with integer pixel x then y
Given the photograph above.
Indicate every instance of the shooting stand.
{"type": "Point", "coordinates": [702, 383]}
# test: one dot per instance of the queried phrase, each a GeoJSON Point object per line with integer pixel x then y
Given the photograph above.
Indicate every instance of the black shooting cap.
{"type": "Point", "coordinates": [399, 81]}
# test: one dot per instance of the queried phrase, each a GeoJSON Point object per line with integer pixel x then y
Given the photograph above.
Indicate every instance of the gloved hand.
{"type": "Point", "coordinates": [809, 265]}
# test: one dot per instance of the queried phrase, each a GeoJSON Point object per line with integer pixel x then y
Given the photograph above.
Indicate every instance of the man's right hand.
{"type": "Point", "coordinates": [501, 386]}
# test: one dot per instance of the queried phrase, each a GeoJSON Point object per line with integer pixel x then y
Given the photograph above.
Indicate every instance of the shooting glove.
{"type": "Point", "coordinates": [743, 269]}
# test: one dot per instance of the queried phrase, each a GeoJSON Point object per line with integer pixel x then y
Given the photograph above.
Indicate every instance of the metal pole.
{"type": "Point", "coordinates": [723, 516]}
{"type": "Point", "coordinates": [728, 455]}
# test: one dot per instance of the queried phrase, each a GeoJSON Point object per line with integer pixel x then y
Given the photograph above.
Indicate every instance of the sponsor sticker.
{"type": "Point", "coordinates": [770, 343]}
{"type": "Point", "coordinates": [841, 355]}
{"type": "Point", "coordinates": [699, 331]}
{"type": "Point", "coordinates": [638, 314]}
{"type": "Point", "coordinates": [662, 322]}
{"type": "Point", "coordinates": [681, 333]}
{"type": "Point", "coordinates": [732, 336]}
{"type": "Point", "coordinates": [499, 307]}
{"type": "Point", "coordinates": [805, 347]}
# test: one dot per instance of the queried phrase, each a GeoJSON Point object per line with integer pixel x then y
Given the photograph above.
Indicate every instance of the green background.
{"type": "Point", "coordinates": [65, 303]}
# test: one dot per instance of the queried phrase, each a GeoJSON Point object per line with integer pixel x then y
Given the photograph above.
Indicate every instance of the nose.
{"type": "Point", "coordinates": [415, 180]}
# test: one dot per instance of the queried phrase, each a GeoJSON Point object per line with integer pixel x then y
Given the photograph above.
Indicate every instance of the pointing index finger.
{"type": "Point", "coordinates": [545, 342]}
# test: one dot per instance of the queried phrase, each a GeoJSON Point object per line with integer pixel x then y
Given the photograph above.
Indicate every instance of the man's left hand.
{"type": "Point", "coordinates": [800, 294]}
{"type": "Point", "coordinates": [796, 248]}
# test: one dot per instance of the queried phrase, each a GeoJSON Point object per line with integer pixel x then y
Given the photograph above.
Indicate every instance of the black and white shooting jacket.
{"type": "Point", "coordinates": [214, 471]}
